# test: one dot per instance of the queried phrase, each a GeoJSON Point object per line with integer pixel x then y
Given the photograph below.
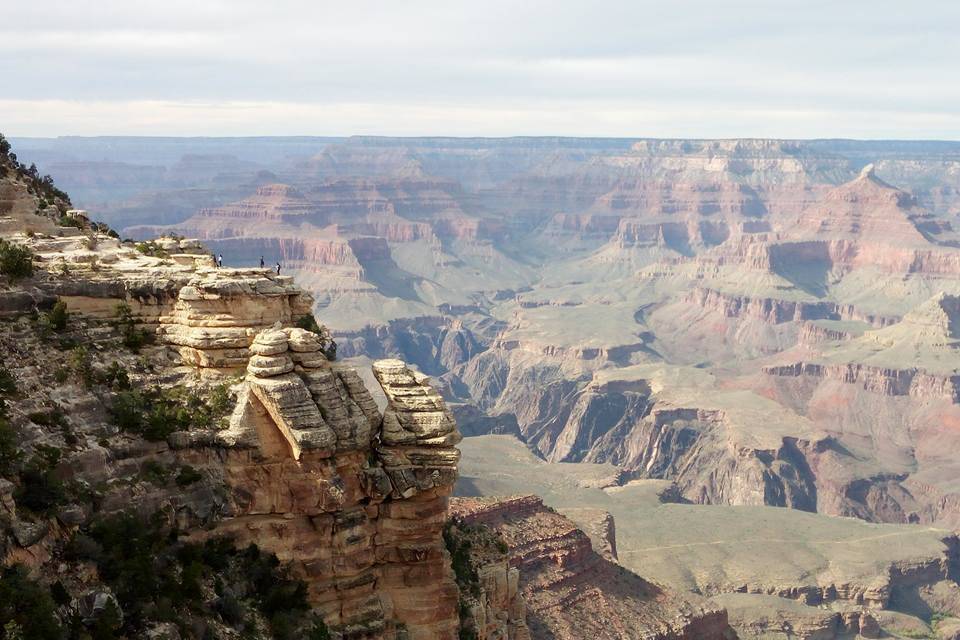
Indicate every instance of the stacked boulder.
{"type": "Point", "coordinates": [314, 406]}
{"type": "Point", "coordinates": [419, 435]}
{"type": "Point", "coordinates": [324, 409]}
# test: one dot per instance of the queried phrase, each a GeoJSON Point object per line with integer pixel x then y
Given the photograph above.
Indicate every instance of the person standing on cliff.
{"type": "Point", "coordinates": [278, 268]}
{"type": "Point", "coordinates": [262, 263]}
{"type": "Point", "coordinates": [219, 261]}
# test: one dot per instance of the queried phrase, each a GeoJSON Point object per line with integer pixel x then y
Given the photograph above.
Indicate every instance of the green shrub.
{"type": "Point", "coordinates": [221, 400]}
{"type": "Point", "coordinates": [81, 364]}
{"type": "Point", "coordinates": [41, 490]}
{"type": "Point", "coordinates": [318, 629]}
{"type": "Point", "coordinates": [187, 476]}
{"type": "Point", "coordinates": [466, 574]}
{"type": "Point", "coordinates": [101, 227]}
{"type": "Point", "coordinates": [151, 248]}
{"type": "Point", "coordinates": [157, 577]}
{"type": "Point", "coordinates": [133, 336]}
{"type": "Point", "coordinates": [154, 472]}
{"type": "Point", "coordinates": [156, 413]}
{"type": "Point", "coordinates": [15, 261]}
{"type": "Point", "coordinates": [49, 417]}
{"type": "Point", "coordinates": [8, 384]}
{"type": "Point", "coordinates": [57, 316]}
{"type": "Point", "coordinates": [60, 594]}
{"type": "Point", "coordinates": [10, 453]}
{"type": "Point", "coordinates": [70, 221]}
{"type": "Point", "coordinates": [127, 410]}
{"type": "Point", "coordinates": [26, 607]}
{"type": "Point", "coordinates": [115, 376]}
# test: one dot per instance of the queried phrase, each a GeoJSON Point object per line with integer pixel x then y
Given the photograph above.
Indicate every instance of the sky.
{"type": "Point", "coordinates": [671, 68]}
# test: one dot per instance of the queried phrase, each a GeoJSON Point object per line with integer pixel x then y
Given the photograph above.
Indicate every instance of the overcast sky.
{"type": "Point", "coordinates": [697, 68]}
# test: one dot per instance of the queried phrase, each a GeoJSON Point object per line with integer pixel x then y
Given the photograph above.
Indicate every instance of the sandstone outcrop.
{"type": "Point", "coordinates": [209, 316]}
{"type": "Point", "coordinates": [302, 471]}
{"type": "Point", "coordinates": [354, 500]}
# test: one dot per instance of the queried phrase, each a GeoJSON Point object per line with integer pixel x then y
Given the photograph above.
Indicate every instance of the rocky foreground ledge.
{"type": "Point", "coordinates": [351, 500]}
{"type": "Point", "coordinates": [170, 287]}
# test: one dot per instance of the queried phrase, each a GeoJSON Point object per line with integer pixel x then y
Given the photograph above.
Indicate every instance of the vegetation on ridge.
{"type": "Point", "coordinates": [156, 413]}
{"type": "Point", "coordinates": [206, 590]}
{"type": "Point", "coordinates": [15, 261]}
{"type": "Point", "coordinates": [41, 186]}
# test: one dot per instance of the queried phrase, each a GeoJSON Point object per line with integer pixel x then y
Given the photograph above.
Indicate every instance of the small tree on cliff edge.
{"type": "Point", "coordinates": [15, 261]}
{"type": "Point", "coordinates": [328, 344]}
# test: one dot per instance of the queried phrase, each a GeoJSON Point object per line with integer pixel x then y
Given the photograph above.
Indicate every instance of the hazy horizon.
{"type": "Point", "coordinates": [294, 136]}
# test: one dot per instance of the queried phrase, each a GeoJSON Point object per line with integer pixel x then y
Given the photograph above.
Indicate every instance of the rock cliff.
{"type": "Point", "coordinates": [571, 591]}
{"type": "Point", "coordinates": [170, 288]}
{"type": "Point", "coordinates": [353, 499]}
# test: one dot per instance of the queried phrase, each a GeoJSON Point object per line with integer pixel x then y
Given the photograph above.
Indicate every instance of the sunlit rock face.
{"type": "Point", "coordinates": [355, 499]}
{"type": "Point", "coordinates": [207, 315]}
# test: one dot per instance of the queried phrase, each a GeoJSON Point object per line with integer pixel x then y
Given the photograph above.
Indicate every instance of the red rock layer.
{"type": "Point", "coordinates": [572, 592]}
{"type": "Point", "coordinates": [775, 311]}
{"type": "Point", "coordinates": [885, 381]}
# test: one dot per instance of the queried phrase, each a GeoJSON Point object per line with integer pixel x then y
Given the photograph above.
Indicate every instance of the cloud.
{"type": "Point", "coordinates": [875, 69]}
{"type": "Point", "coordinates": [576, 118]}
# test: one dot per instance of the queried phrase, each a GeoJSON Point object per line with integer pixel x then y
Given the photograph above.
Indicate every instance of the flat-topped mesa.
{"type": "Point", "coordinates": [914, 357]}
{"type": "Point", "coordinates": [773, 310]}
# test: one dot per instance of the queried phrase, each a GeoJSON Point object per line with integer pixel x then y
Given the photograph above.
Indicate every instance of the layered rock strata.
{"type": "Point", "coordinates": [353, 499]}
{"type": "Point", "coordinates": [209, 316]}
{"type": "Point", "coordinates": [775, 311]}
{"type": "Point", "coordinates": [881, 380]}
{"type": "Point", "coordinates": [573, 592]}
